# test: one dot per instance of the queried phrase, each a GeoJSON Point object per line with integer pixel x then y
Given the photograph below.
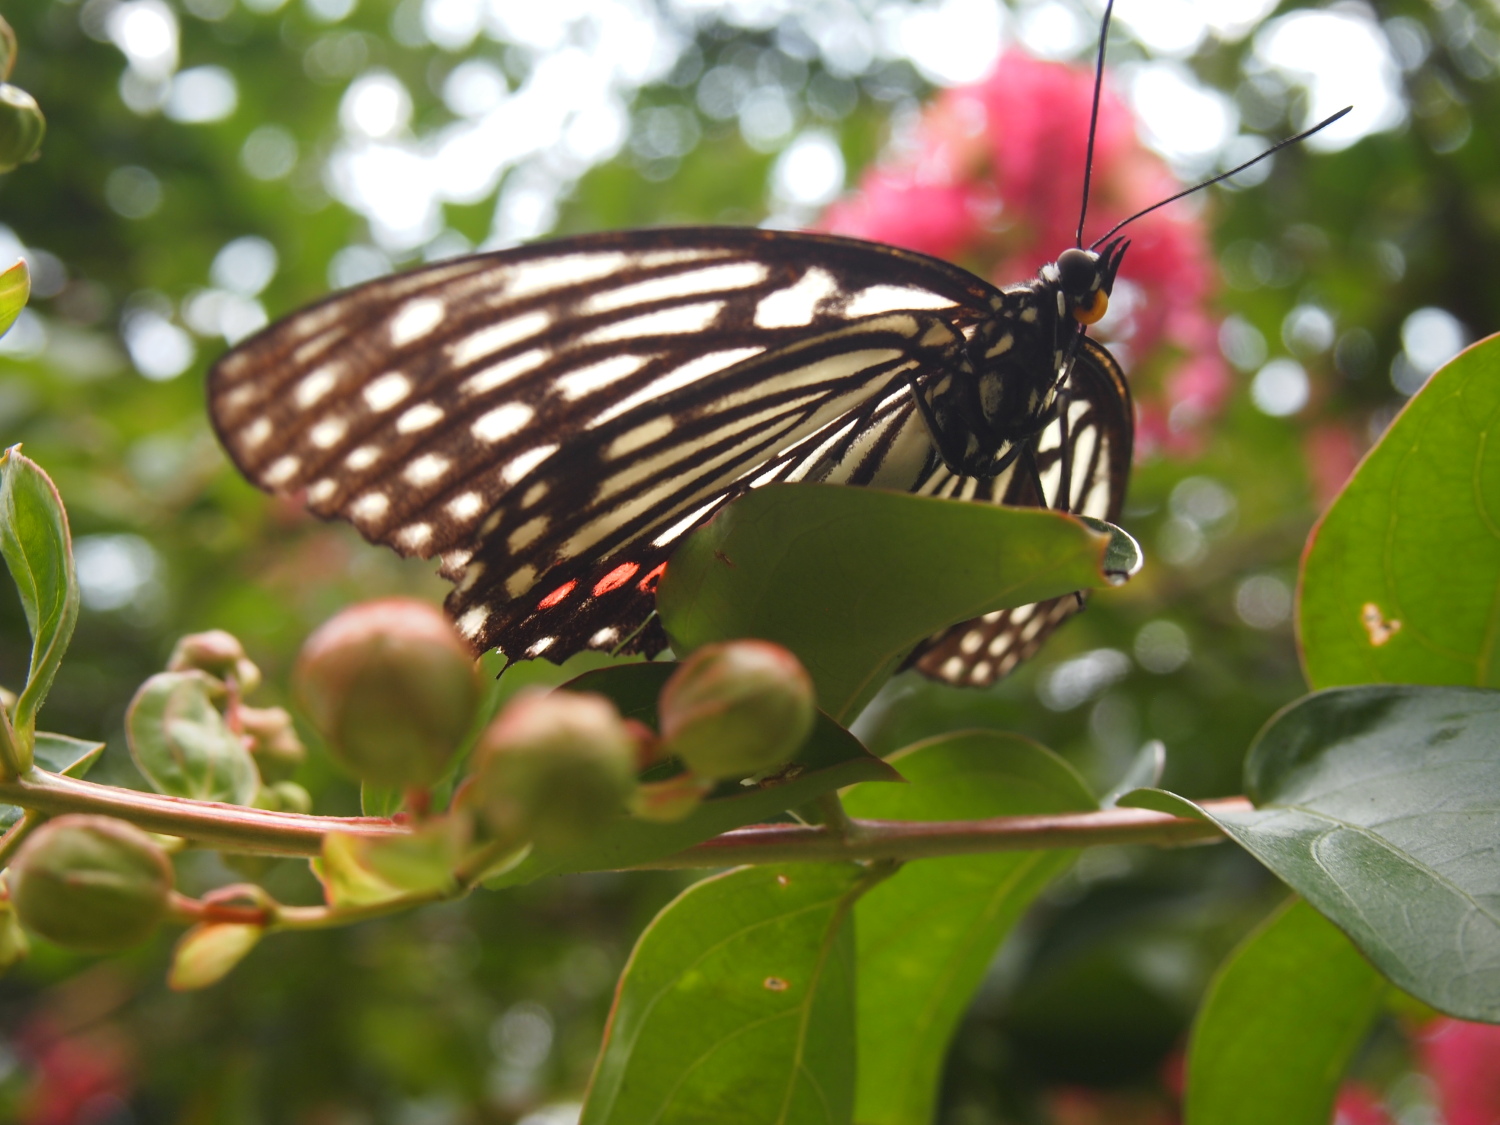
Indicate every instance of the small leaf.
{"type": "Point", "coordinates": [1280, 1023]}
{"type": "Point", "coordinates": [1145, 771]}
{"type": "Point", "coordinates": [379, 800]}
{"type": "Point", "coordinates": [182, 744]}
{"type": "Point", "coordinates": [737, 1006]}
{"type": "Point", "coordinates": [15, 291]}
{"type": "Point", "coordinates": [1398, 582]}
{"type": "Point", "coordinates": [851, 579]}
{"type": "Point", "coordinates": [364, 870]}
{"type": "Point", "coordinates": [927, 934]}
{"type": "Point", "coordinates": [830, 759]}
{"type": "Point", "coordinates": [38, 548]}
{"type": "Point", "coordinates": [58, 753]}
{"type": "Point", "coordinates": [205, 953]}
{"type": "Point", "coordinates": [1377, 805]}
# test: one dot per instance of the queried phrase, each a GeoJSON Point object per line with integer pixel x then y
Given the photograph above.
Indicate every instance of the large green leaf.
{"type": "Point", "coordinates": [830, 759]}
{"type": "Point", "coordinates": [1280, 1023]}
{"type": "Point", "coordinates": [927, 934]}
{"type": "Point", "coordinates": [1400, 578]}
{"type": "Point", "coordinates": [183, 745]}
{"type": "Point", "coordinates": [1381, 806]}
{"type": "Point", "coordinates": [38, 548]}
{"type": "Point", "coordinates": [851, 579]}
{"type": "Point", "coordinates": [737, 1006]}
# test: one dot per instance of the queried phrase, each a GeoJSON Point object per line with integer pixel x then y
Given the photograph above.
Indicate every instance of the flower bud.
{"type": "Point", "coordinates": [22, 127]}
{"type": "Point", "coordinates": [91, 883]}
{"type": "Point", "coordinates": [273, 742]}
{"type": "Point", "coordinates": [736, 708]}
{"type": "Point", "coordinates": [554, 768]}
{"type": "Point", "coordinates": [666, 802]}
{"type": "Point", "coordinates": [7, 49]}
{"type": "Point", "coordinates": [218, 653]}
{"type": "Point", "coordinates": [392, 689]}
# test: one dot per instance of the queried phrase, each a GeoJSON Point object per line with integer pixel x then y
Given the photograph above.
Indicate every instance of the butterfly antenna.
{"type": "Point", "coordinates": [1088, 160]}
{"type": "Point", "coordinates": [1278, 146]}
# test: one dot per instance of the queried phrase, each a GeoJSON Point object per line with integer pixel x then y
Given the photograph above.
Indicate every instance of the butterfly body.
{"type": "Point", "coordinates": [549, 421]}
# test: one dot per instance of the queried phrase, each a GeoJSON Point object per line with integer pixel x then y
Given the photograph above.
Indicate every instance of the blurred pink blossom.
{"type": "Point", "coordinates": [994, 179]}
{"type": "Point", "coordinates": [1463, 1061]}
{"type": "Point", "coordinates": [1359, 1106]}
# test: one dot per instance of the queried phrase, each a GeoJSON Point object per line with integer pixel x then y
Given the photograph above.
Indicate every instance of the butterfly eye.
{"type": "Point", "coordinates": [1077, 270]}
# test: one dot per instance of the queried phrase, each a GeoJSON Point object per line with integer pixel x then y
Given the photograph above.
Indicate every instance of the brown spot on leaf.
{"type": "Point", "coordinates": [776, 984]}
{"type": "Point", "coordinates": [1379, 629]}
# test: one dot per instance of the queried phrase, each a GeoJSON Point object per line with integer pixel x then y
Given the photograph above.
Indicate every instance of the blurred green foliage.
{"type": "Point", "coordinates": [487, 1010]}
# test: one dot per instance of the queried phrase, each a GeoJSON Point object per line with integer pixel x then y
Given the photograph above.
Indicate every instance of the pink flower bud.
{"type": "Point", "coordinates": [218, 653]}
{"type": "Point", "coordinates": [273, 742]}
{"type": "Point", "coordinates": [392, 689]}
{"type": "Point", "coordinates": [554, 768]}
{"type": "Point", "coordinates": [91, 883]}
{"type": "Point", "coordinates": [737, 708]}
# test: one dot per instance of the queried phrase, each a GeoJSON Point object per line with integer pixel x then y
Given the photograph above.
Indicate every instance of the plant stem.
{"type": "Point", "coordinates": [16, 834]}
{"type": "Point", "coordinates": [835, 819]}
{"type": "Point", "coordinates": [904, 840]}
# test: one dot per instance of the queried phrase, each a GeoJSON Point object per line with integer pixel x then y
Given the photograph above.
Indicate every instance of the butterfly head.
{"type": "Point", "coordinates": [1087, 277]}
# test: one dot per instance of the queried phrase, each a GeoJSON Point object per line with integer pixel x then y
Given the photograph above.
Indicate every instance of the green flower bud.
{"type": "Point", "coordinates": [218, 653]}
{"type": "Point", "coordinates": [8, 49]}
{"type": "Point", "coordinates": [273, 742]}
{"type": "Point", "coordinates": [91, 883]}
{"type": "Point", "coordinates": [736, 708]}
{"type": "Point", "coordinates": [22, 127]}
{"type": "Point", "coordinates": [392, 689]}
{"type": "Point", "coordinates": [554, 768]}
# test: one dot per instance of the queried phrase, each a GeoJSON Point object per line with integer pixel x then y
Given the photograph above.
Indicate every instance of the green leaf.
{"type": "Point", "coordinates": [851, 579]}
{"type": "Point", "coordinates": [58, 753]}
{"type": "Point", "coordinates": [364, 870]}
{"type": "Point", "coordinates": [205, 953]}
{"type": "Point", "coordinates": [927, 934]}
{"type": "Point", "coordinates": [38, 548]}
{"type": "Point", "coordinates": [15, 291]}
{"type": "Point", "coordinates": [830, 759]}
{"type": "Point", "coordinates": [1378, 805]}
{"type": "Point", "coordinates": [737, 1006]}
{"type": "Point", "coordinates": [1280, 1023]}
{"type": "Point", "coordinates": [181, 743]}
{"type": "Point", "coordinates": [379, 800]}
{"type": "Point", "coordinates": [1399, 580]}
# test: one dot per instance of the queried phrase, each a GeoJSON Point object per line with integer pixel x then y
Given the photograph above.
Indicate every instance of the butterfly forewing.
{"type": "Point", "coordinates": [536, 414]}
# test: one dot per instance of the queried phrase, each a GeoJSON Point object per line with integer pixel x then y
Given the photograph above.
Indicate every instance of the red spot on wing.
{"type": "Point", "coordinates": [616, 578]}
{"type": "Point", "coordinates": [557, 595]}
{"type": "Point", "coordinates": [649, 583]}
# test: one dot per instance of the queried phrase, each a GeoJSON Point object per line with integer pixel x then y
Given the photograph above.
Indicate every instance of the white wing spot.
{"type": "Point", "coordinates": [970, 642]}
{"type": "Point", "coordinates": [315, 385]}
{"type": "Point", "coordinates": [256, 432]}
{"type": "Point", "coordinates": [520, 465]}
{"type": "Point", "coordinates": [604, 637]}
{"type": "Point", "coordinates": [541, 646]}
{"type": "Point", "coordinates": [320, 491]}
{"type": "Point", "coordinates": [241, 396]}
{"type": "Point", "coordinates": [893, 298]}
{"type": "Point", "coordinates": [527, 533]}
{"type": "Point", "coordinates": [573, 269]}
{"type": "Point", "coordinates": [327, 433]}
{"type": "Point", "coordinates": [494, 337]}
{"type": "Point", "coordinates": [427, 468]}
{"type": "Point", "coordinates": [675, 321]}
{"type": "Point", "coordinates": [1028, 314]}
{"type": "Point", "coordinates": [1002, 346]}
{"type": "Point", "coordinates": [501, 422]}
{"type": "Point", "coordinates": [731, 275]}
{"type": "Point", "coordinates": [413, 536]}
{"type": "Point", "coordinates": [534, 493]}
{"type": "Point", "coordinates": [282, 469]}
{"type": "Point", "coordinates": [797, 305]}
{"type": "Point", "coordinates": [472, 620]}
{"type": "Point", "coordinates": [362, 458]}
{"type": "Point", "coordinates": [471, 577]}
{"type": "Point", "coordinates": [419, 417]}
{"type": "Point", "coordinates": [981, 672]}
{"type": "Point", "coordinates": [386, 391]}
{"type": "Point", "coordinates": [521, 581]}
{"type": "Point", "coordinates": [999, 644]}
{"type": "Point", "coordinates": [416, 319]}
{"type": "Point", "coordinates": [498, 374]}
{"type": "Point", "coordinates": [597, 376]}
{"type": "Point", "coordinates": [371, 506]}
{"type": "Point", "coordinates": [684, 525]}
{"type": "Point", "coordinates": [466, 505]}
{"type": "Point", "coordinates": [632, 440]}
{"type": "Point", "coordinates": [953, 667]}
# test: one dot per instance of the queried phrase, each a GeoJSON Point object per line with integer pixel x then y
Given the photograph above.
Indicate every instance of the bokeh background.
{"type": "Point", "coordinates": [213, 163]}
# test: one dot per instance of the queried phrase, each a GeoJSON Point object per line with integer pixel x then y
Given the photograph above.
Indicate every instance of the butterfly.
{"type": "Point", "coordinates": [549, 421]}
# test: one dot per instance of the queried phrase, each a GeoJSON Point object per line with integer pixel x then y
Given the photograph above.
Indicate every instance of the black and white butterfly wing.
{"type": "Point", "coordinates": [549, 420]}
{"type": "Point", "coordinates": [1083, 460]}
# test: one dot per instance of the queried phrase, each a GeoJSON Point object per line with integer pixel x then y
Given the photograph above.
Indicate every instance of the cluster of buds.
{"type": "Point", "coordinates": [393, 692]}
{"type": "Point", "coordinates": [21, 123]}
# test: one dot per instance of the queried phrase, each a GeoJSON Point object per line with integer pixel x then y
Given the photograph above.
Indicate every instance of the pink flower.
{"type": "Point", "coordinates": [1332, 452]}
{"type": "Point", "coordinates": [1463, 1061]}
{"type": "Point", "coordinates": [994, 180]}
{"type": "Point", "coordinates": [1358, 1106]}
